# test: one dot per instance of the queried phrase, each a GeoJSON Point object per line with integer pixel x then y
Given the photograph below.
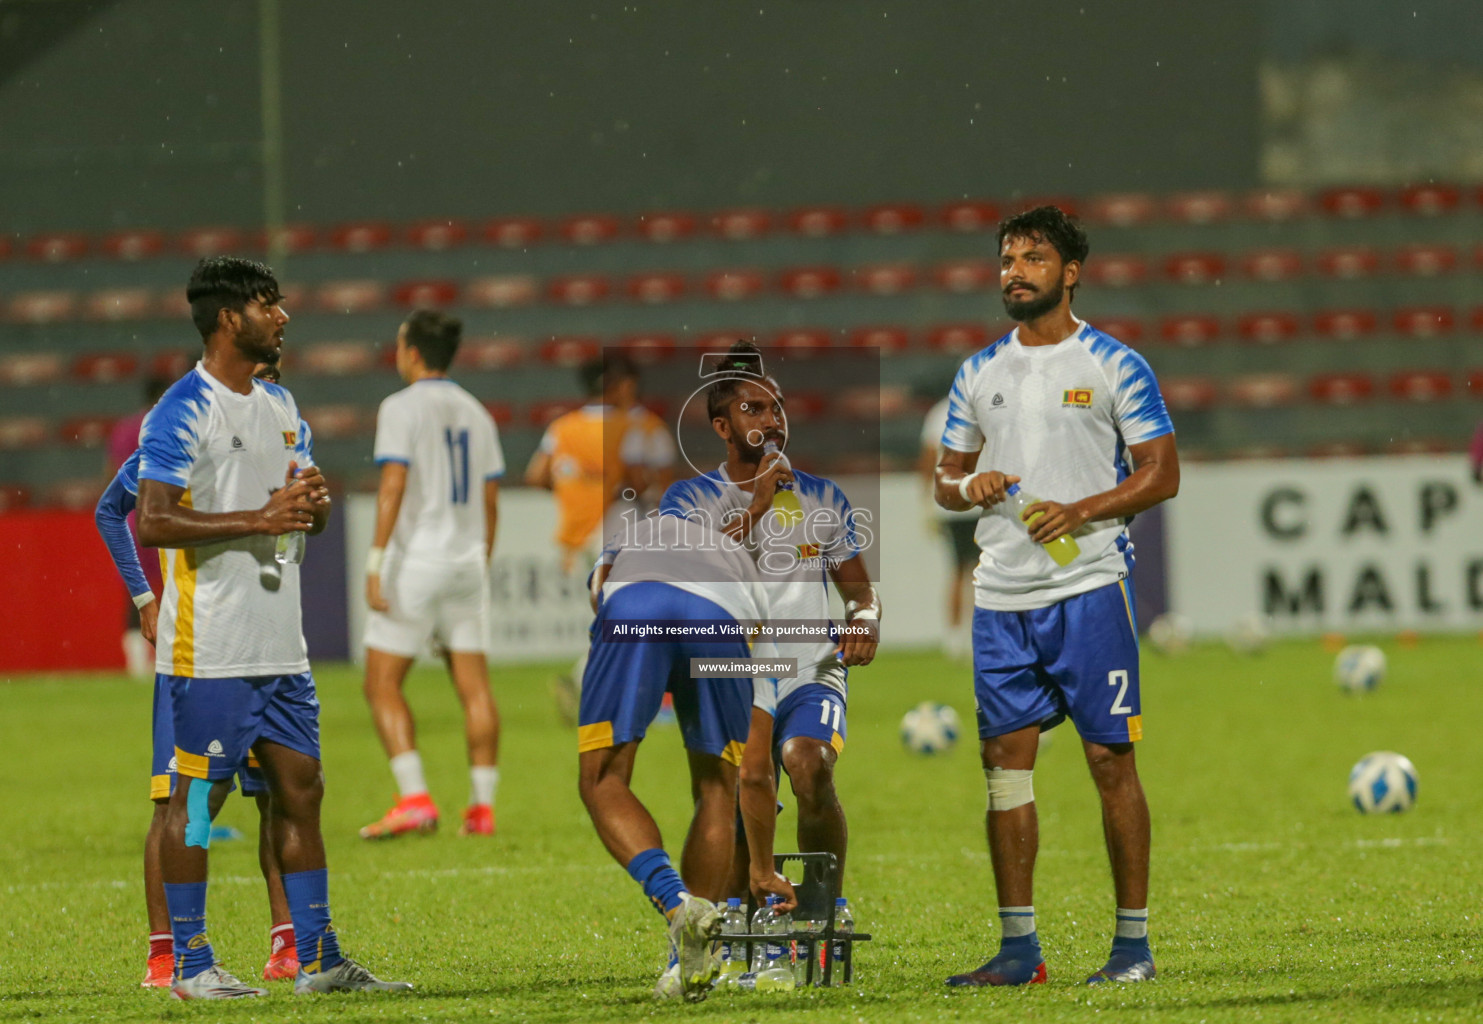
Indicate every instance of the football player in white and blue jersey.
{"type": "Point", "coordinates": [225, 470]}
{"type": "Point", "coordinates": [1076, 416]}
{"type": "Point", "coordinates": [801, 530]}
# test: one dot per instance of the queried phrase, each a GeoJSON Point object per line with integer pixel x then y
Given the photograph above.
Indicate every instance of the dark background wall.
{"type": "Point", "coordinates": [147, 111]}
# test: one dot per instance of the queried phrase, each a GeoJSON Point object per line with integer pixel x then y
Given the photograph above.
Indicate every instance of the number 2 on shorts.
{"type": "Point", "coordinates": [1119, 679]}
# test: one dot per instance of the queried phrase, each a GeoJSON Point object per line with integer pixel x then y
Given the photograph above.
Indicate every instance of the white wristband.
{"type": "Point", "coordinates": [963, 487]}
{"type": "Point", "coordinates": [374, 558]}
{"type": "Point", "coordinates": [866, 613]}
{"type": "Point", "coordinates": [140, 600]}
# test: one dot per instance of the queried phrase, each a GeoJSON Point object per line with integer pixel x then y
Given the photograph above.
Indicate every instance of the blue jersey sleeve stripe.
{"type": "Point", "coordinates": [383, 460]}
{"type": "Point", "coordinates": [168, 439]}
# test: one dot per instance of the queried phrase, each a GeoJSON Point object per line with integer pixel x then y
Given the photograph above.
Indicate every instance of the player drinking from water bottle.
{"type": "Point", "coordinates": [1078, 416]}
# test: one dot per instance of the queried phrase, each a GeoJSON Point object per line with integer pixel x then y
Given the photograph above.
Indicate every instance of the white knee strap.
{"type": "Point", "coordinates": [1009, 788]}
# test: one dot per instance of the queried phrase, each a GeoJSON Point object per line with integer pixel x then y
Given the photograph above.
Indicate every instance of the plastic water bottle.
{"type": "Point", "coordinates": [806, 951]}
{"type": "Point", "coordinates": [289, 549]}
{"type": "Point", "coordinates": [1063, 550]}
{"type": "Point", "coordinates": [784, 499]}
{"type": "Point", "coordinates": [733, 952]}
{"type": "Point", "coordinates": [844, 924]}
{"type": "Point", "coordinates": [771, 958]}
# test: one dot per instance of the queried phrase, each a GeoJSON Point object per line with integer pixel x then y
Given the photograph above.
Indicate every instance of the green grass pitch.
{"type": "Point", "coordinates": [1272, 898]}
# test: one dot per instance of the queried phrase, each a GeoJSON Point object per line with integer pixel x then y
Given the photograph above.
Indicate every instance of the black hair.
{"type": "Point", "coordinates": [602, 372]}
{"type": "Point", "coordinates": [1048, 224]}
{"type": "Point", "coordinates": [227, 282]}
{"type": "Point", "coordinates": [436, 336]}
{"type": "Point", "coordinates": [741, 362]}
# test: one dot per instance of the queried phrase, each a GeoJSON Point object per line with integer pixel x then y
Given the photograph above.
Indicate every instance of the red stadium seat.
{"type": "Point", "coordinates": [1276, 204]}
{"type": "Point", "coordinates": [87, 431]}
{"type": "Point", "coordinates": [5, 250]}
{"type": "Point", "coordinates": [14, 496]}
{"type": "Point", "coordinates": [503, 413]}
{"type": "Point", "coordinates": [647, 348]}
{"type": "Point", "coordinates": [171, 365]}
{"type": "Point", "coordinates": [171, 305]}
{"type": "Point", "coordinates": [337, 358]}
{"type": "Point", "coordinates": [1125, 329]}
{"type": "Point", "coordinates": [1476, 320]}
{"type": "Point", "coordinates": [134, 245]}
{"type": "Point", "coordinates": [569, 351]}
{"type": "Point", "coordinates": [1348, 261]}
{"type": "Point", "coordinates": [655, 288]}
{"type": "Point", "coordinates": [889, 340]}
{"type": "Point", "coordinates": [513, 232]}
{"type": "Point", "coordinates": [1424, 321]}
{"type": "Point", "coordinates": [1430, 200]}
{"type": "Point", "coordinates": [666, 227]}
{"type": "Point", "coordinates": [540, 414]}
{"type": "Point", "coordinates": [105, 367]}
{"type": "Point", "coordinates": [970, 216]}
{"type": "Point", "coordinates": [1117, 270]}
{"type": "Point", "coordinates": [58, 247]}
{"type": "Point", "coordinates": [293, 295]}
{"type": "Point", "coordinates": [363, 296]}
{"type": "Point", "coordinates": [437, 235]}
{"type": "Point", "coordinates": [18, 432]}
{"type": "Point", "coordinates": [203, 242]}
{"type": "Point", "coordinates": [818, 221]}
{"type": "Point", "coordinates": [579, 289]}
{"type": "Point", "coordinates": [871, 403]}
{"type": "Point", "coordinates": [1189, 394]}
{"type": "Point", "coordinates": [740, 225]}
{"type": "Point", "coordinates": [802, 406]}
{"type": "Point", "coordinates": [22, 369]}
{"type": "Point", "coordinates": [1344, 324]}
{"type": "Point", "coordinates": [1475, 383]}
{"type": "Point", "coordinates": [967, 276]}
{"type": "Point", "coordinates": [1267, 328]}
{"type": "Point", "coordinates": [43, 307]}
{"type": "Point", "coordinates": [803, 342]}
{"type": "Point", "coordinates": [78, 495]}
{"type": "Point", "coordinates": [502, 291]}
{"type": "Point", "coordinates": [893, 218]}
{"type": "Point", "coordinates": [489, 353]}
{"type": "Point", "coordinates": [735, 285]}
{"type": "Point", "coordinates": [1199, 207]}
{"type": "Point", "coordinates": [115, 304]}
{"type": "Point", "coordinates": [1264, 390]}
{"type": "Point", "coordinates": [1352, 202]}
{"type": "Point", "coordinates": [1123, 209]}
{"type": "Point", "coordinates": [1337, 450]}
{"type": "Point", "coordinates": [433, 294]}
{"type": "Point", "coordinates": [959, 339]}
{"type": "Point", "coordinates": [334, 422]}
{"type": "Point", "coordinates": [589, 229]}
{"type": "Point", "coordinates": [1426, 260]}
{"type": "Point", "coordinates": [1194, 267]}
{"type": "Point", "coordinates": [1421, 385]}
{"type": "Point", "coordinates": [364, 236]}
{"type": "Point", "coordinates": [1272, 264]}
{"type": "Point", "coordinates": [1341, 388]}
{"type": "Point", "coordinates": [809, 282]}
{"type": "Point", "coordinates": [886, 278]}
{"type": "Point", "coordinates": [291, 238]}
{"type": "Point", "coordinates": [1189, 329]}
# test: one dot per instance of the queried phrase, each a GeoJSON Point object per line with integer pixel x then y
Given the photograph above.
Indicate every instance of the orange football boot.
{"type": "Point", "coordinates": [411, 814]}
{"type": "Point", "coordinates": [159, 971]}
{"type": "Point", "coordinates": [283, 961]}
{"type": "Point", "coordinates": [478, 820]}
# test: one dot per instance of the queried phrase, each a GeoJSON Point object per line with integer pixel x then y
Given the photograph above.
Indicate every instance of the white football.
{"type": "Point", "coordinates": [1170, 633]}
{"type": "Point", "coordinates": [930, 728]}
{"type": "Point", "coordinates": [1359, 668]}
{"type": "Point", "coordinates": [1383, 783]}
{"type": "Point", "coordinates": [1249, 634]}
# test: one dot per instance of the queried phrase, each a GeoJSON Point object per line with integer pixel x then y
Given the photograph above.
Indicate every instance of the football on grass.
{"type": "Point", "coordinates": [930, 728]}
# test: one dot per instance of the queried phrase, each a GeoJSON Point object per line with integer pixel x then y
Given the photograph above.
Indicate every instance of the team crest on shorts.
{"type": "Point", "coordinates": [1076, 398]}
{"type": "Point", "coordinates": [291, 437]}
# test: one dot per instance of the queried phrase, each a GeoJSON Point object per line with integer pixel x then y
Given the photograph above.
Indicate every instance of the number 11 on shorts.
{"type": "Point", "coordinates": [825, 707]}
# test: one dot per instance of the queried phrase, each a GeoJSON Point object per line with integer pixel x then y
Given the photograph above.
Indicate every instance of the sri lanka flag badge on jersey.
{"type": "Point", "coordinates": [1076, 398]}
{"type": "Point", "coordinates": [291, 437]}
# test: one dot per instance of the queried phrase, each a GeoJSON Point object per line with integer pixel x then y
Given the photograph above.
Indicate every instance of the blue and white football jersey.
{"type": "Point", "coordinates": [1060, 417]}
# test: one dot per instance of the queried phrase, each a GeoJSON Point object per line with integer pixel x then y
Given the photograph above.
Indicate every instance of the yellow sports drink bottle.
{"type": "Point", "coordinates": [1063, 550]}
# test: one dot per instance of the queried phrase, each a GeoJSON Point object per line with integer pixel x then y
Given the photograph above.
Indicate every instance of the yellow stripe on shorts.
{"type": "Point", "coordinates": [597, 736]}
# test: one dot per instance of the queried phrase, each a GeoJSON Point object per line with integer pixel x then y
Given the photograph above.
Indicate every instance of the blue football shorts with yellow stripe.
{"type": "Point", "coordinates": [813, 710]}
{"type": "Point", "coordinates": [216, 721]}
{"type": "Point", "coordinates": [625, 681]}
{"type": "Point", "coordinates": [162, 757]}
{"type": "Point", "coordinates": [1076, 659]}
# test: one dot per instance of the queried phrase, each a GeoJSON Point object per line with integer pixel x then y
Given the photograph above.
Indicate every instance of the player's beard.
{"type": "Point", "coordinates": [752, 453]}
{"type": "Point", "coordinates": [263, 348]}
{"type": "Point", "coordinates": [1025, 310]}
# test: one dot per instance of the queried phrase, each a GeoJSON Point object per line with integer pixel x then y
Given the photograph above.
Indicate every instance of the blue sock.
{"type": "Point", "coordinates": [308, 895]}
{"type": "Point", "coordinates": [1132, 929]}
{"type": "Point", "coordinates": [187, 903]}
{"type": "Point", "coordinates": [660, 880]}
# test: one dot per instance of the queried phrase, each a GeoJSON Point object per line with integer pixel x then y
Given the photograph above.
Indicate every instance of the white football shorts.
{"type": "Point", "coordinates": [446, 602]}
